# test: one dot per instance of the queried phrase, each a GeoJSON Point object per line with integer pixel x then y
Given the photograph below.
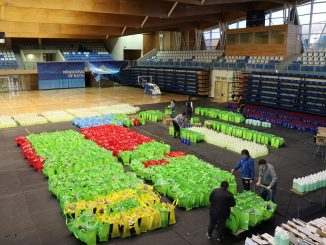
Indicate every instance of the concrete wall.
{"type": "Point", "coordinates": [117, 45]}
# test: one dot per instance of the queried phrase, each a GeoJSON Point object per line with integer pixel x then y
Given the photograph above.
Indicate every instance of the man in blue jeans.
{"type": "Point", "coordinates": [247, 169]}
{"type": "Point", "coordinates": [267, 180]}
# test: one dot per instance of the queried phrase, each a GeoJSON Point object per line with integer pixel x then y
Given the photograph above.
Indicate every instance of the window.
{"type": "Point", "coordinates": [233, 26]}
{"type": "Point", "coordinates": [212, 38]}
{"type": "Point", "coordinates": [319, 7]}
{"type": "Point", "coordinates": [312, 17]}
{"type": "Point", "coordinates": [242, 24]}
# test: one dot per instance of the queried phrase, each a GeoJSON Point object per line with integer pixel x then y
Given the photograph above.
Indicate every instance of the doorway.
{"type": "Point", "coordinates": [131, 54]}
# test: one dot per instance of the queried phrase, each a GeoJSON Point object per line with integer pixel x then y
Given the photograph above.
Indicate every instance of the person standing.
{"type": "Point", "coordinates": [247, 169]}
{"type": "Point", "coordinates": [241, 105]}
{"type": "Point", "coordinates": [221, 202]}
{"type": "Point", "coordinates": [267, 180]}
{"type": "Point", "coordinates": [172, 107]}
{"type": "Point", "coordinates": [190, 108]}
{"type": "Point", "coordinates": [178, 121]}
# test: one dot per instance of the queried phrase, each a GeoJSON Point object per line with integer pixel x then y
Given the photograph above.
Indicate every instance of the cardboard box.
{"type": "Point", "coordinates": [168, 121]}
{"type": "Point", "coordinates": [196, 124]}
{"type": "Point", "coordinates": [209, 126]}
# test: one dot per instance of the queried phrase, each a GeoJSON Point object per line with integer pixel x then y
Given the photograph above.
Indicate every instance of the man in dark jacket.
{"type": "Point", "coordinates": [221, 202]}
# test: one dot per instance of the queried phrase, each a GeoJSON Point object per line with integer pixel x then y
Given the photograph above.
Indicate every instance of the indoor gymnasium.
{"type": "Point", "coordinates": [189, 122]}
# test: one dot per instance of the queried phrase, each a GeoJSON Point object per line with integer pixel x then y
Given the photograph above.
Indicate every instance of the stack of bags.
{"type": "Point", "coordinates": [96, 196]}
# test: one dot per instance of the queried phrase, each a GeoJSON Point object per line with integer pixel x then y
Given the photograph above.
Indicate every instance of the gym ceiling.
{"type": "Point", "coordinates": [99, 19]}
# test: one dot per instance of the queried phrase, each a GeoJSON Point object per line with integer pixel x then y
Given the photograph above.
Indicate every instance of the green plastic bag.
{"type": "Point", "coordinates": [269, 210]}
{"type": "Point", "coordinates": [244, 220]}
{"type": "Point", "coordinates": [255, 216]}
{"type": "Point", "coordinates": [103, 232]}
{"type": "Point", "coordinates": [164, 218]}
{"type": "Point", "coordinates": [232, 223]}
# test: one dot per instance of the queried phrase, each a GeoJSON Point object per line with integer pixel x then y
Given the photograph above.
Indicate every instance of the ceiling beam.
{"type": "Point", "coordinates": [173, 7]}
{"type": "Point", "coordinates": [144, 21]}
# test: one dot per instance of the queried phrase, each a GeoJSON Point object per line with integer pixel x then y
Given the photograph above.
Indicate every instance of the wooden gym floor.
{"type": "Point", "coordinates": [49, 100]}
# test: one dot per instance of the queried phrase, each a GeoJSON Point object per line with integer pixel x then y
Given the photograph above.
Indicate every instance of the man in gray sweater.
{"type": "Point", "coordinates": [267, 179]}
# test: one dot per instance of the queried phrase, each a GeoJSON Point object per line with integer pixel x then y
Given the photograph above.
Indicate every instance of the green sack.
{"type": "Point", "coordinates": [269, 210]}
{"type": "Point", "coordinates": [232, 223]}
{"type": "Point", "coordinates": [244, 220]}
{"type": "Point", "coordinates": [255, 216]}
{"type": "Point", "coordinates": [84, 231]}
{"type": "Point", "coordinates": [125, 157]}
{"type": "Point", "coordinates": [171, 131]}
{"type": "Point", "coordinates": [164, 218]}
{"type": "Point", "coordinates": [197, 110]}
{"type": "Point", "coordinates": [103, 232]}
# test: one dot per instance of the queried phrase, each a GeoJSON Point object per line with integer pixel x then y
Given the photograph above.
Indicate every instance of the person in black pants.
{"type": "Point", "coordinates": [247, 169]}
{"type": "Point", "coordinates": [178, 121]}
{"type": "Point", "coordinates": [241, 105]}
{"type": "Point", "coordinates": [190, 108]}
{"type": "Point", "coordinates": [221, 202]}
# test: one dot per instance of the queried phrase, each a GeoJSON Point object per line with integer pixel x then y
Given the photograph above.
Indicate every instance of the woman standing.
{"type": "Point", "coordinates": [247, 169]}
{"type": "Point", "coordinates": [190, 108]}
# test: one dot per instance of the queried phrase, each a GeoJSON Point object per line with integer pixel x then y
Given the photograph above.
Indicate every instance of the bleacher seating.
{"type": "Point", "coordinates": [86, 56]}
{"type": "Point", "coordinates": [263, 62]}
{"type": "Point", "coordinates": [195, 56]}
{"type": "Point", "coordinates": [233, 62]}
{"type": "Point", "coordinates": [179, 80]}
{"type": "Point", "coordinates": [310, 61]}
{"type": "Point", "coordinates": [7, 59]}
{"type": "Point", "coordinates": [74, 51]}
{"type": "Point", "coordinates": [294, 92]}
{"type": "Point", "coordinates": [265, 59]}
{"type": "Point", "coordinates": [85, 52]}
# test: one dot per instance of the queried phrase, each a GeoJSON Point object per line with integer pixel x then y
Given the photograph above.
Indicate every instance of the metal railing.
{"type": "Point", "coordinates": [246, 67]}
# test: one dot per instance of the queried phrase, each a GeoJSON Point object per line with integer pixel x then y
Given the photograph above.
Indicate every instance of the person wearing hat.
{"type": "Point", "coordinates": [221, 202]}
{"type": "Point", "coordinates": [267, 180]}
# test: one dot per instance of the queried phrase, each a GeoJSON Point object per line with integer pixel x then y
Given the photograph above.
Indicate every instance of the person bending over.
{"type": "Point", "coordinates": [178, 122]}
{"type": "Point", "coordinates": [267, 180]}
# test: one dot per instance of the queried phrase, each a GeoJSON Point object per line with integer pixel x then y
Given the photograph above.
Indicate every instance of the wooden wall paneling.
{"type": "Point", "coordinates": [173, 41]}
{"type": "Point", "coordinates": [129, 7]}
{"type": "Point", "coordinates": [167, 40]}
{"type": "Point", "coordinates": [36, 30]}
{"type": "Point", "coordinates": [69, 17]}
{"type": "Point", "coordinates": [288, 46]}
{"type": "Point", "coordinates": [256, 50]}
{"type": "Point", "coordinates": [148, 43]}
{"type": "Point", "coordinates": [52, 35]}
{"type": "Point", "coordinates": [157, 40]}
